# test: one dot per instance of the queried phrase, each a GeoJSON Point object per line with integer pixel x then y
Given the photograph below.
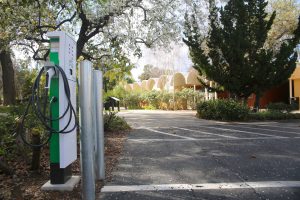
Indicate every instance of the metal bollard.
{"type": "Point", "coordinates": [99, 130]}
{"type": "Point", "coordinates": [86, 131]}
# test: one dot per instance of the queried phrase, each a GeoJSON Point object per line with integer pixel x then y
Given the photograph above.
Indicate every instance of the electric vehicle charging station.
{"type": "Point", "coordinates": [60, 119]}
{"type": "Point", "coordinates": [63, 146]}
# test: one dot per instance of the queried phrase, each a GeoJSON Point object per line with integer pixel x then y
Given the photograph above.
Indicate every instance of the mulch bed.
{"type": "Point", "coordinates": [25, 184]}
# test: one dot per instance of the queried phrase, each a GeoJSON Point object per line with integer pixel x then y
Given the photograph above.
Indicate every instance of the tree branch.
{"type": "Point", "coordinates": [89, 57]}
{"type": "Point", "coordinates": [59, 25]}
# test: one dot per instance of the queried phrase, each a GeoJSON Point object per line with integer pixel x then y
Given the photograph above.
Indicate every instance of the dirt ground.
{"type": "Point", "coordinates": [25, 184]}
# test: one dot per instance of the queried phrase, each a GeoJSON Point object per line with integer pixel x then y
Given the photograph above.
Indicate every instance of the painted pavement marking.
{"type": "Point", "coordinates": [265, 129]}
{"type": "Point", "coordinates": [203, 186]}
{"type": "Point", "coordinates": [207, 133]}
{"type": "Point", "coordinates": [234, 130]}
{"type": "Point", "coordinates": [164, 133]}
{"type": "Point", "coordinates": [280, 126]}
{"type": "Point", "coordinates": [208, 139]}
{"type": "Point", "coordinates": [268, 124]}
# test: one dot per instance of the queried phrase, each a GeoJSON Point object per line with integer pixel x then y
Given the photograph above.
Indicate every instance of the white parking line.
{"type": "Point", "coordinates": [248, 123]}
{"type": "Point", "coordinates": [280, 126]}
{"type": "Point", "coordinates": [207, 139]}
{"type": "Point", "coordinates": [234, 130]}
{"type": "Point", "coordinates": [156, 131]}
{"type": "Point", "coordinates": [203, 186]}
{"type": "Point", "coordinates": [264, 129]}
{"type": "Point", "coordinates": [207, 133]}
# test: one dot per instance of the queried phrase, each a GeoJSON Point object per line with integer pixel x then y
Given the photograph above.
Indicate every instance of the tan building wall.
{"type": "Point", "coordinates": [297, 88]}
{"type": "Point", "coordinates": [295, 83]}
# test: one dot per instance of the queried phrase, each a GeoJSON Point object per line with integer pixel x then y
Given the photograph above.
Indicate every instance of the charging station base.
{"type": "Point", "coordinates": [68, 186]}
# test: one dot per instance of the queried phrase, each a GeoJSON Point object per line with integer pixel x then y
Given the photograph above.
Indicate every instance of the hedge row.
{"type": "Point", "coordinates": [230, 110]}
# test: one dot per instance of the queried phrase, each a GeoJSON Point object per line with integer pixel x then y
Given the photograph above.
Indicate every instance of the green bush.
{"type": "Point", "coordinates": [279, 107]}
{"type": "Point", "coordinates": [188, 98]}
{"type": "Point", "coordinates": [228, 110]}
{"type": "Point", "coordinates": [7, 141]}
{"type": "Point", "coordinates": [151, 99]}
{"type": "Point", "coordinates": [271, 115]}
{"type": "Point", "coordinates": [165, 99]}
{"type": "Point", "coordinates": [132, 100]}
{"type": "Point", "coordinates": [112, 122]}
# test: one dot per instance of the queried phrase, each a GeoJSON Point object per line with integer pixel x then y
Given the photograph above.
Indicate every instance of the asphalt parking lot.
{"type": "Point", "coordinates": [173, 155]}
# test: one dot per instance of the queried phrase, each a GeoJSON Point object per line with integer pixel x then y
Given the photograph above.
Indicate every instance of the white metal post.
{"type": "Point", "coordinates": [210, 96]}
{"type": "Point", "coordinates": [216, 94]}
{"type": "Point", "coordinates": [291, 90]}
{"type": "Point", "coordinates": [86, 132]}
{"type": "Point", "coordinates": [99, 128]}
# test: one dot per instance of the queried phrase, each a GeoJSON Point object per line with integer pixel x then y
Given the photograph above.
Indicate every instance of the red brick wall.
{"type": "Point", "coordinates": [276, 94]}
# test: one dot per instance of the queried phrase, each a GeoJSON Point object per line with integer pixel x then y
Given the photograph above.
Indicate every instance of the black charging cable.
{"type": "Point", "coordinates": [39, 108]}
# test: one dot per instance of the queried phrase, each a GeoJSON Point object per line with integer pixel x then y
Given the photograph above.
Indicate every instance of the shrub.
{"type": "Point", "coordinates": [151, 99]}
{"type": "Point", "coordinates": [227, 110]}
{"type": "Point", "coordinates": [271, 115]}
{"type": "Point", "coordinates": [132, 100]}
{"type": "Point", "coordinates": [165, 99]}
{"type": "Point", "coordinates": [112, 122]}
{"type": "Point", "coordinates": [7, 141]}
{"type": "Point", "coordinates": [279, 107]}
{"type": "Point", "coordinates": [150, 107]}
{"type": "Point", "coordinates": [188, 98]}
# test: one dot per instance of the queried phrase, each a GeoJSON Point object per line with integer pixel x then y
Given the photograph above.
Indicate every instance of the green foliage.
{"type": "Point", "coordinates": [9, 126]}
{"type": "Point", "coordinates": [7, 141]}
{"type": "Point", "coordinates": [132, 100]}
{"type": "Point", "coordinates": [150, 107]}
{"type": "Point", "coordinates": [151, 99]}
{"type": "Point", "coordinates": [234, 54]}
{"type": "Point", "coordinates": [25, 79]}
{"type": "Point", "coordinates": [187, 97]}
{"type": "Point", "coordinates": [165, 99]}
{"type": "Point", "coordinates": [118, 92]}
{"type": "Point", "coordinates": [228, 110]}
{"type": "Point", "coordinates": [287, 13]}
{"type": "Point", "coordinates": [5, 109]}
{"type": "Point", "coordinates": [279, 107]}
{"type": "Point", "coordinates": [112, 122]}
{"type": "Point", "coordinates": [152, 72]}
{"type": "Point", "coordinates": [116, 68]}
{"type": "Point", "coordinates": [271, 115]}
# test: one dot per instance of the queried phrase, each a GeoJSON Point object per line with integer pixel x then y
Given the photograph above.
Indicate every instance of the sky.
{"type": "Point", "coordinates": [175, 58]}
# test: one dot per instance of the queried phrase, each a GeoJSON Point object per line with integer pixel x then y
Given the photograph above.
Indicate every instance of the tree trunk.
{"type": "Point", "coordinates": [36, 152]}
{"type": "Point", "coordinates": [8, 78]}
{"type": "Point", "coordinates": [105, 81]}
{"type": "Point", "coordinates": [257, 102]}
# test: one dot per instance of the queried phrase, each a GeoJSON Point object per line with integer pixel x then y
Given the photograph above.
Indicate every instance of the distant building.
{"type": "Point", "coordinates": [287, 92]}
{"type": "Point", "coordinates": [294, 83]}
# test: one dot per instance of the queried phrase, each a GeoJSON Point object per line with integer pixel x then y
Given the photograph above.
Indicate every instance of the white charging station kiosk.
{"type": "Point", "coordinates": [63, 146]}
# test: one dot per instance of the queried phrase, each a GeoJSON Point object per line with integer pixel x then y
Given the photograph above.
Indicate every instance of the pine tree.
{"type": "Point", "coordinates": [234, 53]}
